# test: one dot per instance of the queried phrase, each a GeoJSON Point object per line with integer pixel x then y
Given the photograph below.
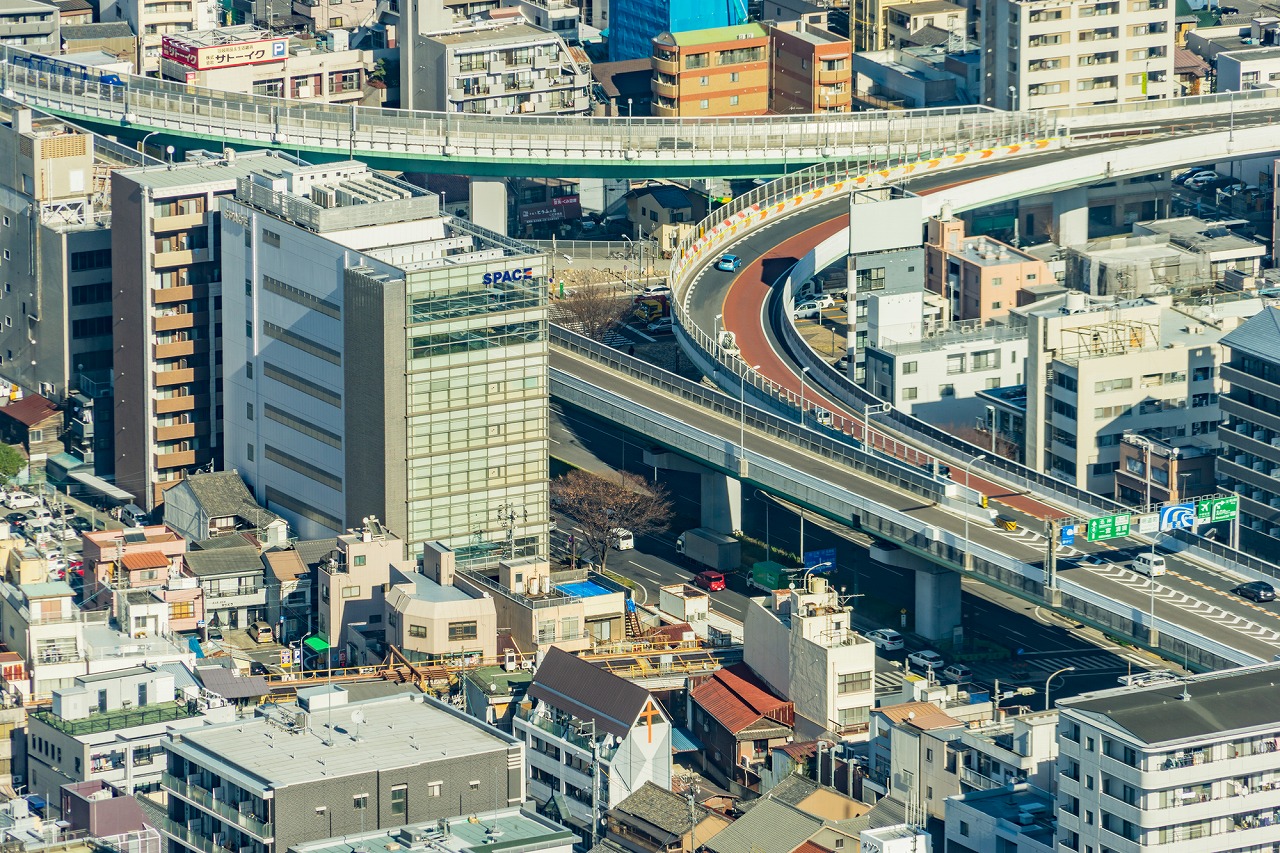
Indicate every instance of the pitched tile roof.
{"type": "Point", "coordinates": [921, 715]}
{"type": "Point", "coordinates": [660, 808]}
{"type": "Point", "coordinates": [735, 698]}
{"type": "Point", "coordinates": [811, 847]}
{"type": "Point", "coordinates": [137, 560]}
{"type": "Point", "coordinates": [222, 494]}
{"type": "Point", "coordinates": [223, 561]}
{"type": "Point", "coordinates": [285, 565]}
{"type": "Point", "coordinates": [588, 692]}
{"type": "Point", "coordinates": [30, 410]}
{"type": "Point", "coordinates": [1258, 336]}
{"type": "Point", "coordinates": [771, 826]}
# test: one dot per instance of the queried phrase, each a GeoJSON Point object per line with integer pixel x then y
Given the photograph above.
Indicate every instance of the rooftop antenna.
{"type": "Point", "coordinates": [357, 717]}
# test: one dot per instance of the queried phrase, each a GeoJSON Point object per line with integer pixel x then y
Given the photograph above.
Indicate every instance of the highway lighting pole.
{"type": "Point", "coordinates": [803, 372]}
{"type": "Point", "coordinates": [143, 147]}
{"type": "Point", "coordinates": [991, 425]}
{"type": "Point", "coordinates": [631, 247]}
{"type": "Point", "coordinates": [967, 562]}
{"type": "Point", "coordinates": [1051, 677]}
{"type": "Point", "coordinates": [716, 342]}
{"type": "Point", "coordinates": [867, 411]}
{"type": "Point", "coordinates": [1153, 635]}
{"type": "Point", "coordinates": [742, 426]}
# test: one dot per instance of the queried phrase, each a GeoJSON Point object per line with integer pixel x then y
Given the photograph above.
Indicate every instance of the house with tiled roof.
{"type": "Point", "coordinates": [591, 739]}
{"type": "Point", "coordinates": [213, 503]}
{"type": "Point", "coordinates": [775, 827]}
{"type": "Point", "coordinates": [34, 424]}
{"type": "Point", "coordinates": [147, 559]}
{"type": "Point", "coordinates": [654, 819]}
{"type": "Point", "coordinates": [738, 720]}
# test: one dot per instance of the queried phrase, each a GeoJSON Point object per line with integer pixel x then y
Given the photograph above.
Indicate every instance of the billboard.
{"type": "Point", "coordinates": [203, 58]}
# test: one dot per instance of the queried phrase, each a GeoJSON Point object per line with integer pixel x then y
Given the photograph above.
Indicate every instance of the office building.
{"type": "Point", "coordinates": [711, 72]}
{"type": "Point", "coordinates": [1015, 819]}
{"type": "Point", "coordinates": [255, 61]}
{"type": "Point", "coordinates": [1187, 765]}
{"type": "Point", "coordinates": [633, 24]}
{"type": "Point", "coordinates": [981, 278]}
{"type": "Point", "coordinates": [591, 738]}
{"type": "Point", "coordinates": [152, 21]}
{"type": "Point", "coordinates": [1040, 54]}
{"type": "Point", "coordinates": [386, 361]}
{"type": "Point", "coordinates": [1250, 436]}
{"type": "Point", "coordinates": [801, 644]}
{"type": "Point", "coordinates": [498, 65]}
{"type": "Point", "coordinates": [327, 767]}
{"type": "Point", "coordinates": [168, 289]}
{"type": "Point", "coordinates": [30, 24]}
{"type": "Point", "coordinates": [1097, 368]}
{"type": "Point", "coordinates": [108, 727]}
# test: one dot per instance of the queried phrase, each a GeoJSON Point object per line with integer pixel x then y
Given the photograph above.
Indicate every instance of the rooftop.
{"type": "Point", "coordinates": [96, 32]}
{"type": "Point", "coordinates": [1009, 802]}
{"type": "Point", "coordinates": [660, 808]}
{"type": "Point", "coordinates": [1210, 705]}
{"type": "Point", "coordinates": [715, 35]}
{"type": "Point", "coordinates": [1259, 336]}
{"type": "Point", "coordinates": [30, 410]}
{"type": "Point", "coordinates": [495, 34]}
{"type": "Point", "coordinates": [587, 692]}
{"type": "Point", "coordinates": [496, 681]}
{"type": "Point", "coordinates": [426, 589]}
{"type": "Point", "coordinates": [335, 196]}
{"type": "Point", "coordinates": [296, 748]}
{"type": "Point", "coordinates": [770, 826]}
{"type": "Point", "coordinates": [921, 715]}
{"type": "Point", "coordinates": [736, 698]}
{"type": "Point", "coordinates": [240, 559]}
{"type": "Point", "coordinates": [171, 179]}
{"type": "Point", "coordinates": [223, 494]}
{"type": "Point", "coordinates": [121, 718]}
{"type": "Point", "coordinates": [510, 830]}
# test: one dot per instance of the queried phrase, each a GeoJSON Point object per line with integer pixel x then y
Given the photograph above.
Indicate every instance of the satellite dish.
{"type": "Point", "coordinates": [357, 717]}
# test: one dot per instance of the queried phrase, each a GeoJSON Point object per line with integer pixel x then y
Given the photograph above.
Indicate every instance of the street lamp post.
{"type": "Point", "coordinates": [630, 248]}
{"type": "Point", "coordinates": [716, 342]}
{"type": "Point", "coordinates": [742, 426]}
{"type": "Point", "coordinates": [143, 146]}
{"type": "Point", "coordinates": [1051, 677]}
{"type": "Point", "coordinates": [967, 562]}
{"type": "Point", "coordinates": [803, 372]}
{"type": "Point", "coordinates": [867, 411]}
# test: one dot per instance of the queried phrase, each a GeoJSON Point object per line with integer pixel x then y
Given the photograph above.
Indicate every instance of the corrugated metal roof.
{"type": "Point", "coordinates": [1258, 336]}
{"type": "Point", "coordinates": [770, 826]}
{"type": "Point", "coordinates": [138, 560]}
{"type": "Point", "coordinates": [588, 692]}
{"type": "Point", "coordinates": [220, 680]}
{"type": "Point", "coordinates": [921, 715]}
{"type": "Point", "coordinates": [736, 699]}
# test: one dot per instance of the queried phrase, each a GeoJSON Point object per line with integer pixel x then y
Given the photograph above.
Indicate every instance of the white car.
{"type": "Point", "coordinates": [927, 659]}
{"type": "Point", "coordinates": [822, 300]}
{"type": "Point", "coordinates": [807, 311]}
{"type": "Point", "coordinates": [20, 500]}
{"type": "Point", "coordinates": [663, 325]}
{"type": "Point", "coordinates": [885, 639]}
{"type": "Point", "coordinates": [656, 290]}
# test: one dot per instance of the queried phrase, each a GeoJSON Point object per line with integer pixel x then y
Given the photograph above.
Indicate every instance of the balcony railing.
{"type": "Point", "coordinates": [110, 721]}
{"type": "Point", "coordinates": [564, 732]}
{"type": "Point", "coordinates": [206, 800]}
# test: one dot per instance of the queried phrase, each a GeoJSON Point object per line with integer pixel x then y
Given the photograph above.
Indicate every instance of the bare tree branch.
{"type": "Point", "coordinates": [601, 506]}
{"type": "Point", "coordinates": [597, 309]}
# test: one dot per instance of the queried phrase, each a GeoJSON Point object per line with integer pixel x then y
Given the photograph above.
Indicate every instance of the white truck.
{"type": "Point", "coordinates": [710, 549]}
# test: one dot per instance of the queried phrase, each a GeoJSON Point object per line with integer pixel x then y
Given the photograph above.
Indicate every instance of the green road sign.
{"type": "Point", "coordinates": [1107, 527]}
{"type": "Point", "coordinates": [1213, 510]}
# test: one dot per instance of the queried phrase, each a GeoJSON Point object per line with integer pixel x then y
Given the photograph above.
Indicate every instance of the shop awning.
{"type": "Point", "coordinates": [316, 645]}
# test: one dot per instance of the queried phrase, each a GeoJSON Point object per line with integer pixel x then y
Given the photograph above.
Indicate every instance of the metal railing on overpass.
{"type": "Point", "coordinates": [563, 146]}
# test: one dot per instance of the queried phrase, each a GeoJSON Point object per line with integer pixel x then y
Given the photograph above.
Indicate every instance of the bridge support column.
{"type": "Point", "coordinates": [937, 603]}
{"type": "Point", "coordinates": [1071, 216]}
{"type": "Point", "coordinates": [489, 203]}
{"type": "Point", "coordinates": [721, 494]}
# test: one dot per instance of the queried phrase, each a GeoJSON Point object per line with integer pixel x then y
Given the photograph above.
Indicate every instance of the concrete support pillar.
{"type": "Point", "coordinates": [489, 203]}
{"type": "Point", "coordinates": [721, 494]}
{"type": "Point", "coordinates": [1071, 216]}
{"type": "Point", "coordinates": [937, 602]}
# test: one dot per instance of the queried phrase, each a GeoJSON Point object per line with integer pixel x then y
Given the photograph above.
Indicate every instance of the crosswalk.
{"type": "Point", "coordinates": [1037, 665]}
{"type": "Point", "coordinates": [1182, 601]}
{"type": "Point", "coordinates": [1034, 539]}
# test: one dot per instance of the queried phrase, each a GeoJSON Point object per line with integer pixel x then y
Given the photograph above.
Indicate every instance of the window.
{"type": "Point", "coordinates": [34, 435]}
{"type": "Point", "coordinates": [248, 411]}
{"type": "Point", "coordinates": [910, 393]}
{"type": "Point", "coordinates": [433, 788]}
{"type": "Point", "coordinates": [91, 327]}
{"type": "Point", "coordinates": [964, 829]}
{"type": "Point", "coordinates": [400, 800]}
{"type": "Point", "coordinates": [733, 100]}
{"type": "Point", "coordinates": [463, 631]}
{"type": "Point", "coordinates": [928, 755]}
{"type": "Point", "coordinates": [733, 78]}
{"type": "Point", "coordinates": [419, 631]}
{"type": "Point", "coordinates": [182, 610]}
{"type": "Point", "coordinates": [97, 259]}
{"type": "Point", "coordinates": [271, 238]}
{"type": "Point", "coordinates": [351, 592]}
{"type": "Point", "coordinates": [853, 682]}
{"type": "Point", "coordinates": [947, 390]}
{"type": "Point", "coordinates": [704, 81]}
{"type": "Point", "coordinates": [360, 801]}
{"type": "Point", "coordinates": [90, 294]}
{"type": "Point", "coordinates": [704, 104]}
{"type": "Point", "coordinates": [910, 367]}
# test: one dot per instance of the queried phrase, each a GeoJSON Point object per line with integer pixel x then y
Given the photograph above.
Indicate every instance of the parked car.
{"type": "Point", "coordinates": [1256, 591]}
{"type": "Point", "coordinates": [656, 290]}
{"type": "Point", "coordinates": [807, 311]}
{"type": "Point", "coordinates": [885, 639]}
{"type": "Point", "coordinates": [20, 500]}
{"type": "Point", "coordinates": [842, 364]}
{"type": "Point", "coordinates": [1194, 173]}
{"type": "Point", "coordinates": [729, 263]}
{"type": "Point", "coordinates": [822, 300]}
{"type": "Point", "coordinates": [959, 673]}
{"type": "Point", "coordinates": [927, 659]}
{"type": "Point", "coordinates": [710, 581]}
{"type": "Point", "coordinates": [80, 524]}
{"type": "Point", "coordinates": [660, 326]}
{"type": "Point", "coordinates": [39, 517]}
{"type": "Point", "coordinates": [1200, 181]}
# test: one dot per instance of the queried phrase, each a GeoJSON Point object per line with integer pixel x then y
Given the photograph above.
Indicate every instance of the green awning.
{"type": "Point", "coordinates": [316, 644]}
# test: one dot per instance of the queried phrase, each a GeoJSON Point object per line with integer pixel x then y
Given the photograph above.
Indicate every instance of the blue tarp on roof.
{"type": "Point", "coordinates": [682, 740]}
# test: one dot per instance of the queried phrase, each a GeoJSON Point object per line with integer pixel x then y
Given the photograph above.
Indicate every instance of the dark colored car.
{"type": "Point", "coordinates": [1256, 591]}
{"type": "Point", "coordinates": [710, 581]}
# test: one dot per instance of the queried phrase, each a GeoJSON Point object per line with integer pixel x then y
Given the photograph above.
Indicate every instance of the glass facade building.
{"type": "Point", "coordinates": [635, 23]}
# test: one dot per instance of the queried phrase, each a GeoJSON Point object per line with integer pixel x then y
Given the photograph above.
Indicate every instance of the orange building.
{"type": "Point", "coordinates": [811, 71]}
{"type": "Point", "coordinates": [980, 277]}
{"type": "Point", "coordinates": [722, 71]}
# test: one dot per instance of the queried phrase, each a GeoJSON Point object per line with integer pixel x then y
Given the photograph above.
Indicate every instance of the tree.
{"type": "Point", "coordinates": [12, 461]}
{"type": "Point", "coordinates": [601, 505]}
{"type": "Point", "coordinates": [595, 310]}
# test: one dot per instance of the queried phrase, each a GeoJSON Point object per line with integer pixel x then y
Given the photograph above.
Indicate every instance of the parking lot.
{"type": "Point", "coordinates": [53, 524]}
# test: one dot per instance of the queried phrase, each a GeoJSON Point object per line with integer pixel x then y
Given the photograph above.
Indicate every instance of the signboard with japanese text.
{"type": "Point", "coordinates": [1107, 527]}
{"type": "Point", "coordinates": [203, 58]}
{"type": "Point", "coordinates": [1212, 510]}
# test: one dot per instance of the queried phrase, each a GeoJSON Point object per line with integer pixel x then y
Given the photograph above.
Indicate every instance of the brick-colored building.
{"type": "Point", "coordinates": [981, 277]}
{"type": "Point", "coordinates": [810, 69]}
{"type": "Point", "coordinates": [35, 424]}
{"type": "Point", "coordinates": [722, 71]}
{"type": "Point", "coordinates": [114, 564]}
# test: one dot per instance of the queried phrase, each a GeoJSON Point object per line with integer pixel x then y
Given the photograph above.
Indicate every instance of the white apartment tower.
{"type": "Point", "coordinates": [1071, 53]}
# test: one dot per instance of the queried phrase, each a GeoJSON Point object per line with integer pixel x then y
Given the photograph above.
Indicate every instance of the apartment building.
{"type": "Point", "coordinates": [917, 77]}
{"type": "Point", "coordinates": [500, 65]}
{"type": "Point", "coordinates": [1054, 54]}
{"type": "Point", "coordinates": [980, 277]}
{"type": "Point", "coordinates": [801, 644]}
{"type": "Point", "coordinates": [591, 738]}
{"type": "Point", "coordinates": [431, 620]}
{"type": "Point", "coordinates": [712, 72]}
{"type": "Point", "coordinates": [352, 585]}
{"type": "Point", "coordinates": [1187, 765]}
{"type": "Point", "coordinates": [109, 727]}
{"type": "Point", "coordinates": [393, 363]}
{"type": "Point", "coordinates": [30, 24]}
{"type": "Point", "coordinates": [1019, 818]}
{"type": "Point", "coordinates": [1152, 471]}
{"type": "Point", "coordinates": [167, 298]}
{"type": "Point", "coordinates": [256, 61]}
{"type": "Point", "coordinates": [327, 767]}
{"type": "Point", "coordinates": [632, 24]}
{"type": "Point", "coordinates": [810, 69]}
{"type": "Point", "coordinates": [55, 232]}
{"type": "Point", "coordinates": [1098, 368]}
{"type": "Point", "coordinates": [1250, 436]}
{"type": "Point", "coordinates": [152, 20]}
{"type": "Point", "coordinates": [925, 23]}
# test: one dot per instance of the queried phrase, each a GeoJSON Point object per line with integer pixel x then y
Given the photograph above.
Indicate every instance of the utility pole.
{"type": "Point", "coordinates": [1051, 563]}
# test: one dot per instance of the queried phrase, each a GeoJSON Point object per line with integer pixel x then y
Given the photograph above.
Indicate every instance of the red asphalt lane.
{"type": "Point", "coordinates": [743, 312]}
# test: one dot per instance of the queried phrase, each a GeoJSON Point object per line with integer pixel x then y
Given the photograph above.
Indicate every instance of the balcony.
{"type": "Point", "coordinates": [185, 403]}
{"type": "Point", "coordinates": [174, 322]}
{"type": "Point", "coordinates": [666, 90]}
{"type": "Point", "coordinates": [1245, 412]}
{"type": "Point", "coordinates": [176, 459]}
{"type": "Point", "coordinates": [181, 222]}
{"type": "Point", "coordinates": [830, 78]}
{"type": "Point", "coordinates": [666, 66]}
{"type": "Point", "coordinates": [564, 732]}
{"type": "Point", "coordinates": [179, 258]}
{"type": "Point", "coordinates": [181, 376]}
{"type": "Point", "coordinates": [228, 812]}
{"type": "Point", "coordinates": [977, 780]}
{"type": "Point", "coordinates": [175, 432]}
{"type": "Point", "coordinates": [174, 349]}
{"type": "Point", "coordinates": [1239, 379]}
{"type": "Point", "coordinates": [165, 295]}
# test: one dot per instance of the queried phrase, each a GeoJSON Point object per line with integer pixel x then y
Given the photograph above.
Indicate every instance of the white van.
{"type": "Point", "coordinates": [622, 539]}
{"type": "Point", "coordinates": [1151, 565]}
{"type": "Point", "coordinates": [132, 515]}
